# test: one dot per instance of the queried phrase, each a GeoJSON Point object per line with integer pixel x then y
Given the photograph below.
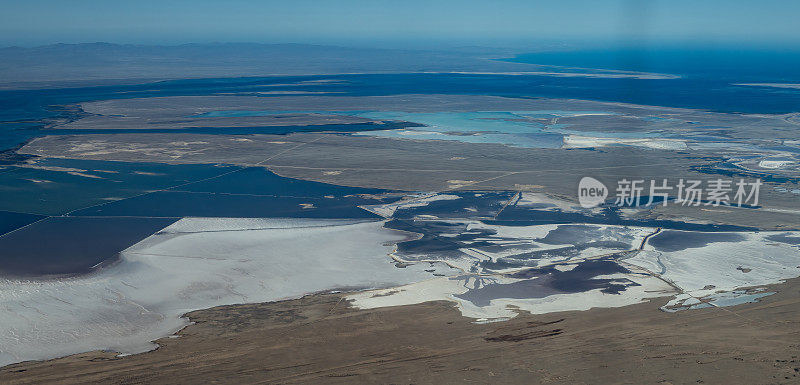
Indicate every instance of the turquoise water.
{"type": "Point", "coordinates": [738, 297]}
{"type": "Point", "coordinates": [512, 128]}
{"type": "Point", "coordinates": [509, 128]}
{"type": "Point", "coordinates": [448, 122]}
{"type": "Point", "coordinates": [726, 299]}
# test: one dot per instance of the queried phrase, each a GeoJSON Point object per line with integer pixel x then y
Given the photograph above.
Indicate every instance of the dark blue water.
{"type": "Point", "coordinates": [66, 245]}
{"type": "Point", "coordinates": [12, 220]}
{"type": "Point", "coordinates": [546, 281]}
{"type": "Point", "coordinates": [194, 190]}
{"type": "Point", "coordinates": [186, 204]}
{"type": "Point", "coordinates": [248, 193]}
{"type": "Point", "coordinates": [670, 240]}
{"type": "Point", "coordinates": [146, 198]}
{"type": "Point", "coordinates": [260, 181]}
{"type": "Point", "coordinates": [54, 192]}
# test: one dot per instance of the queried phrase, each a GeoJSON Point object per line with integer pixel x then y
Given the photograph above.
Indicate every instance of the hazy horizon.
{"type": "Point", "coordinates": [412, 24]}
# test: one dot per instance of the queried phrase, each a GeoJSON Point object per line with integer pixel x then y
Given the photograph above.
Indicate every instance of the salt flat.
{"type": "Point", "coordinates": [193, 264]}
{"type": "Point", "coordinates": [453, 288]}
{"type": "Point", "coordinates": [722, 265]}
{"type": "Point", "coordinates": [711, 269]}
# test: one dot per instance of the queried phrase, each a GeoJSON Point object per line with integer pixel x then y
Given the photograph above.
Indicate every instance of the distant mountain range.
{"type": "Point", "coordinates": [60, 65]}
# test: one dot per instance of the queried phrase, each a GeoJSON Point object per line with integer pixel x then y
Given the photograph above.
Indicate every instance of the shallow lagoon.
{"type": "Point", "coordinates": [531, 129]}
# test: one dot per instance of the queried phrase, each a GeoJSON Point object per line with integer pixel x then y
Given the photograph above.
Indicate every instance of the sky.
{"type": "Point", "coordinates": [409, 22]}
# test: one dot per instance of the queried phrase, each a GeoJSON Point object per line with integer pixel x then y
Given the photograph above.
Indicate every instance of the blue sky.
{"type": "Point", "coordinates": [34, 22]}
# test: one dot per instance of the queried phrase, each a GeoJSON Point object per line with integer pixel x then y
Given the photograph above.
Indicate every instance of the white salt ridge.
{"type": "Point", "coordinates": [446, 289]}
{"type": "Point", "coordinates": [540, 201]}
{"type": "Point", "coordinates": [420, 200]}
{"type": "Point", "coordinates": [578, 141]}
{"type": "Point", "coordinates": [775, 164]}
{"type": "Point", "coordinates": [194, 264]}
{"type": "Point", "coordinates": [774, 85]}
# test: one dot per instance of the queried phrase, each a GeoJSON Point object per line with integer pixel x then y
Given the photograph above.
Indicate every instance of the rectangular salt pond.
{"type": "Point", "coordinates": [57, 186]}
{"type": "Point", "coordinates": [10, 221]}
{"type": "Point", "coordinates": [200, 204]}
{"type": "Point", "coordinates": [247, 193]}
{"type": "Point", "coordinates": [69, 245]}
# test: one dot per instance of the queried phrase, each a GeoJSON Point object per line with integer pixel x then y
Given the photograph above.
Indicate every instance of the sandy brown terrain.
{"type": "Point", "coordinates": [320, 339]}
